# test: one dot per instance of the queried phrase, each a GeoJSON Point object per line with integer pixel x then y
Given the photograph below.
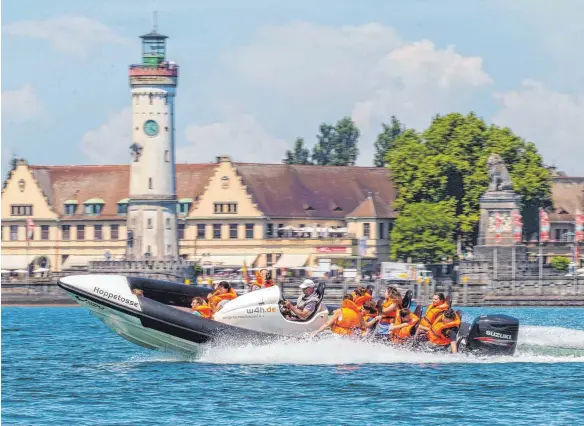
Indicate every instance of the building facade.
{"type": "Point", "coordinates": [284, 216]}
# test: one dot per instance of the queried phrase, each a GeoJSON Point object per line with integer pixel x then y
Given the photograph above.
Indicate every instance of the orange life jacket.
{"type": "Point", "coordinates": [367, 316]}
{"type": "Point", "coordinates": [404, 333]}
{"type": "Point", "coordinates": [388, 319]}
{"type": "Point", "coordinates": [204, 310]}
{"type": "Point", "coordinates": [219, 297]}
{"type": "Point", "coordinates": [360, 300]}
{"type": "Point", "coordinates": [435, 334]}
{"type": "Point", "coordinates": [349, 320]}
{"type": "Point", "coordinates": [259, 282]}
{"type": "Point", "coordinates": [432, 312]}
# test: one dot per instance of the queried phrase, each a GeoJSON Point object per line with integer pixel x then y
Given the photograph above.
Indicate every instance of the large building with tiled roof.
{"type": "Point", "coordinates": [287, 216]}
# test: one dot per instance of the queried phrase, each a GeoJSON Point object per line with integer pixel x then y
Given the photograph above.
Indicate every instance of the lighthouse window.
{"type": "Point", "coordinates": [168, 226]}
{"type": "Point", "coordinates": [167, 154]}
{"type": "Point", "coordinates": [149, 183]}
{"type": "Point", "coordinates": [149, 224]}
{"type": "Point", "coordinates": [150, 98]}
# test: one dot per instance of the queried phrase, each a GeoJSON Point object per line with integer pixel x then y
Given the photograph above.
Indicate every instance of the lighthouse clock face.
{"type": "Point", "coordinates": [151, 128]}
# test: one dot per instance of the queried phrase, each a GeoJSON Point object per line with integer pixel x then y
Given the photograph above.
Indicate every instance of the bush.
{"type": "Point", "coordinates": [560, 263]}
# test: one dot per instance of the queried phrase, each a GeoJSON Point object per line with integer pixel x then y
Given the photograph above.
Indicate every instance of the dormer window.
{"type": "Point", "coordinates": [70, 207]}
{"type": "Point", "coordinates": [123, 206]}
{"type": "Point", "coordinates": [337, 209]}
{"type": "Point", "coordinates": [94, 206]}
{"type": "Point", "coordinates": [184, 205]}
{"type": "Point", "coordinates": [308, 207]}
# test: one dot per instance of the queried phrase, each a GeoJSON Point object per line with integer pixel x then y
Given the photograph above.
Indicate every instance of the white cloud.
{"type": "Point", "coordinates": [239, 136]}
{"type": "Point", "coordinates": [368, 70]}
{"type": "Point", "coordinates": [21, 104]}
{"type": "Point", "coordinates": [110, 143]}
{"type": "Point", "coordinates": [75, 35]}
{"type": "Point", "coordinates": [552, 120]}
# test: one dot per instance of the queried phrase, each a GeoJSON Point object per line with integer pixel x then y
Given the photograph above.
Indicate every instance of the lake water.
{"type": "Point", "coordinates": [62, 366]}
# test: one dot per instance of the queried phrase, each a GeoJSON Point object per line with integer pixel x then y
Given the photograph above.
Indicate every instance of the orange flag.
{"type": "Point", "coordinates": [244, 273]}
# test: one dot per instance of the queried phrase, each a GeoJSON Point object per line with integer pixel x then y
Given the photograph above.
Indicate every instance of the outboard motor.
{"type": "Point", "coordinates": [489, 335]}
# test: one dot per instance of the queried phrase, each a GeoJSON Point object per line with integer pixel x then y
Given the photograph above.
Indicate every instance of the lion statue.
{"type": "Point", "coordinates": [498, 173]}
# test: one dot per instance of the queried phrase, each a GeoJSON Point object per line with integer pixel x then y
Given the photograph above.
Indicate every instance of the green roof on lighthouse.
{"type": "Point", "coordinates": [153, 47]}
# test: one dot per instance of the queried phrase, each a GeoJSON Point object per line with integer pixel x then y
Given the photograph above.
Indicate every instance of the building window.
{"type": "Point", "coordinates": [70, 209]}
{"type": "Point", "coordinates": [269, 230]}
{"type": "Point", "coordinates": [183, 208]}
{"type": "Point", "coordinates": [233, 230]}
{"type": "Point", "coordinates": [114, 232]}
{"type": "Point", "coordinates": [13, 232]}
{"type": "Point", "coordinates": [149, 224]}
{"type": "Point", "coordinates": [20, 210]}
{"type": "Point", "coordinates": [381, 231]}
{"type": "Point", "coordinates": [168, 224]}
{"type": "Point", "coordinates": [130, 239]}
{"type": "Point", "coordinates": [66, 229]}
{"type": "Point", "coordinates": [366, 230]}
{"type": "Point", "coordinates": [217, 231]}
{"type": "Point", "coordinates": [123, 209]}
{"type": "Point", "coordinates": [167, 156]}
{"type": "Point", "coordinates": [249, 231]}
{"type": "Point", "coordinates": [97, 232]}
{"type": "Point", "coordinates": [150, 183]}
{"type": "Point", "coordinates": [93, 209]}
{"type": "Point", "coordinates": [80, 232]}
{"type": "Point", "coordinates": [269, 259]}
{"type": "Point", "coordinates": [225, 208]}
{"type": "Point", "coordinates": [150, 101]}
{"type": "Point", "coordinates": [280, 232]}
{"type": "Point", "coordinates": [200, 231]}
{"type": "Point", "coordinates": [181, 231]}
{"type": "Point", "coordinates": [44, 232]}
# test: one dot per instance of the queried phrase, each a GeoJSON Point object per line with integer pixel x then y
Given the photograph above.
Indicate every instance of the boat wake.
{"type": "Point", "coordinates": [536, 345]}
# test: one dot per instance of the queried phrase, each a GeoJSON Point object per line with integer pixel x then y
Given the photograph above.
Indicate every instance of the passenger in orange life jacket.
{"type": "Point", "coordinates": [444, 329]}
{"type": "Point", "coordinates": [223, 292]}
{"type": "Point", "coordinates": [360, 296]}
{"type": "Point", "coordinates": [389, 309]}
{"type": "Point", "coordinates": [263, 280]}
{"type": "Point", "coordinates": [402, 328]}
{"type": "Point", "coordinates": [200, 308]}
{"type": "Point", "coordinates": [369, 313]}
{"type": "Point", "coordinates": [437, 306]}
{"type": "Point", "coordinates": [345, 321]}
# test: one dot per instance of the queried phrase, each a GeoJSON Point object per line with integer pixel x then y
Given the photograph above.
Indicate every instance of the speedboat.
{"type": "Point", "coordinates": [161, 317]}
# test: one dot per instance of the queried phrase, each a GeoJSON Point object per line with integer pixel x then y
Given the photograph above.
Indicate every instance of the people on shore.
{"type": "Point", "coordinates": [305, 305]}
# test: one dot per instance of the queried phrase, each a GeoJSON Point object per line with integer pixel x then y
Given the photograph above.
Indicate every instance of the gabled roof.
{"type": "Point", "coordinates": [372, 207]}
{"type": "Point", "coordinates": [108, 182]}
{"type": "Point", "coordinates": [567, 196]}
{"type": "Point", "coordinates": [286, 190]}
{"type": "Point", "coordinates": [279, 190]}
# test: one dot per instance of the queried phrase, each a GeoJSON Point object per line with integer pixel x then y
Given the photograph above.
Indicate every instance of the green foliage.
{"type": "Point", "coordinates": [424, 231]}
{"type": "Point", "coordinates": [300, 155]}
{"type": "Point", "coordinates": [448, 161]}
{"type": "Point", "coordinates": [386, 139]}
{"type": "Point", "coordinates": [560, 263]}
{"type": "Point", "coordinates": [337, 145]}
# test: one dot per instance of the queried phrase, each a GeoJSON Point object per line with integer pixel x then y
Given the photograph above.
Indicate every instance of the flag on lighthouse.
{"type": "Point", "coordinates": [579, 228]}
{"type": "Point", "coordinates": [517, 226]}
{"type": "Point", "coordinates": [544, 226]}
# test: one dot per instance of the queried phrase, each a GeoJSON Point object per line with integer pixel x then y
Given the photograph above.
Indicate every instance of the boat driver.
{"type": "Point", "coordinates": [305, 305]}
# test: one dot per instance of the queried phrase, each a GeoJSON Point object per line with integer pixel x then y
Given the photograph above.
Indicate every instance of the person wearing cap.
{"type": "Point", "coordinates": [306, 303]}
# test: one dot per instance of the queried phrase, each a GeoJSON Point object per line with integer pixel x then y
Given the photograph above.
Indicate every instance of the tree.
{"type": "Point", "coordinates": [300, 155]}
{"type": "Point", "coordinates": [337, 145]}
{"type": "Point", "coordinates": [385, 140]}
{"type": "Point", "coordinates": [424, 231]}
{"type": "Point", "coordinates": [448, 161]}
{"type": "Point", "coordinates": [560, 263]}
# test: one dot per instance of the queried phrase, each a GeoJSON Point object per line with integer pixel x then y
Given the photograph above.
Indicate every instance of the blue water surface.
{"type": "Point", "coordinates": [62, 366]}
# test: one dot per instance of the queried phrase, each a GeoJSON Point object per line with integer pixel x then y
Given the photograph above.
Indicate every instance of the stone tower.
{"type": "Point", "coordinates": [152, 225]}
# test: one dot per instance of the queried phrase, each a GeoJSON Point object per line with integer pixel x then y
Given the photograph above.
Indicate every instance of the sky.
{"type": "Point", "coordinates": [257, 74]}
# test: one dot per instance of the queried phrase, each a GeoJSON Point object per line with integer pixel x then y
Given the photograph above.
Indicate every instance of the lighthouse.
{"type": "Point", "coordinates": [152, 224]}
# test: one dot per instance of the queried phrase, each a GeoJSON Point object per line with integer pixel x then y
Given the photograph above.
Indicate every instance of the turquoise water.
{"type": "Point", "coordinates": [62, 366]}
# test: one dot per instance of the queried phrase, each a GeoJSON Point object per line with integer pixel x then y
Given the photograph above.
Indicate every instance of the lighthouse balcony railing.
{"type": "Point", "coordinates": [164, 69]}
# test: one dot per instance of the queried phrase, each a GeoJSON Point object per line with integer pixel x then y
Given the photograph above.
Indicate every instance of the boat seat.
{"type": "Point", "coordinates": [320, 292]}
